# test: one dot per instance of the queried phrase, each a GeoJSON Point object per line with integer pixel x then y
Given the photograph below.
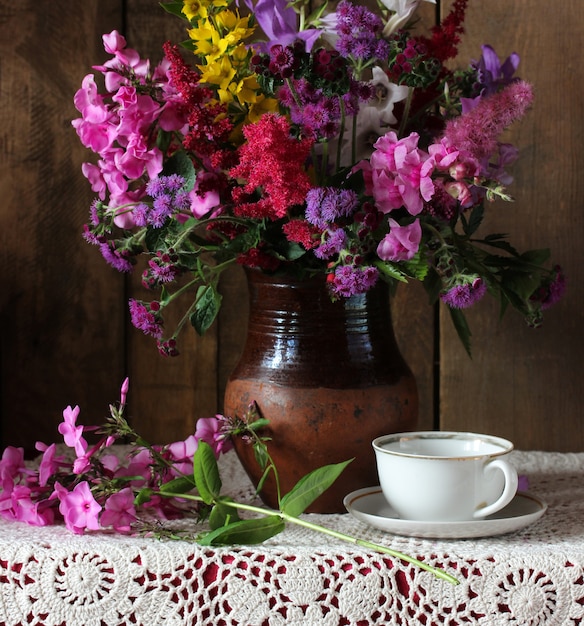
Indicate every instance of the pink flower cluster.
{"type": "Point", "coordinates": [119, 127]}
{"type": "Point", "coordinates": [96, 489]}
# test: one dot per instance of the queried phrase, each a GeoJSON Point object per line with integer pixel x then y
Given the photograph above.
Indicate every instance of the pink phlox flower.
{"type": "Point", "coordinates": [49, 463]}
{"type": "Point", "coordinates": [401, 243]}
{"type": "Point", "coordinates": [115, 44]}
{"type": "Point", "coordinates": [110, 462]}
{"type": "Point", "coordinates": [78, 507]}
{"type": "Point", "coordinates": [140, 467]}
{"type": "Point", "coordinates": [27, 510]}
{"type": "Point", "coordinates": [210, 430]}
{"type": "Point", "coordinates": [124, 392]}
{"type": "Point", "coordinates": [181, 454]}
{"type": "Point", "coordinates": [119, 511]}
{"type": "Point", "coordinates": [73, 434]}
{"type": "Point", "coordinates": [81, 464]}
{"type": "Point", "coordinates": [11, 465]}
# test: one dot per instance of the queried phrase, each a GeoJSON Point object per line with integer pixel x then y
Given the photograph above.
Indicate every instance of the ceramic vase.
{"type": "Point", "coordinates": [329, 378]}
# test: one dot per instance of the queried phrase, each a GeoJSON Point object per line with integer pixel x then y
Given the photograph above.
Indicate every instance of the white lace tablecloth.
{"type": "Point", "coordinates": [51, 577]}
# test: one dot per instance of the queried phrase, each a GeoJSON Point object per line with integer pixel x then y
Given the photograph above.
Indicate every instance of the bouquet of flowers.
{"type": "Point", "coordinates": [336, 142]}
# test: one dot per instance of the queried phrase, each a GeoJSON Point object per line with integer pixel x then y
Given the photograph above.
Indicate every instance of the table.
{"type": "Point", "coordinates": [535, 576]}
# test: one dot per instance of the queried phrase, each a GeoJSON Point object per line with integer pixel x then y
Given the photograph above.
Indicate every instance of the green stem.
{"type": "Point", "coordinates": [439, 573]}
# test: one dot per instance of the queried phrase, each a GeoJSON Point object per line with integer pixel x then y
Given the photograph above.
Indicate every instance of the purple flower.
{"type": "Point", "coordinates": [279, 21]}
{"type": "Point", "coordinates": [465, 294]}
{"type": "Point", "coordinates": [359, 30]}
{"type": "Point", "coordinates": [335, 241]}
{"type": "Point", "coordinates": [491, 75]}
{"type": "Point", "coordinates": [327, 204]}
{"type": "Point", "coordinates": [351, 280]}
{"type": "Point", "coordinates": [145, 317]}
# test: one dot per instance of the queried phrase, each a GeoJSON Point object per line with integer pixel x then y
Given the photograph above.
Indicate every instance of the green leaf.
{"type": "Point", "coordinates": [206, 308]}
{"type": "Point", "coordinates": [206, 473]}
{"type": "Point", "coordinates": [461, 327]}
{"type": "Point", "coordinates": [474, 221]}
{"type": "Point", "coordinates": [390, 271]}
{"type": "Point", "coordinates": [222, 514]}
{"type": "Point", "coordinates": [536, 257]}
{"type": "Point", "coordinates": [248, 532]}
{"type": "Point", "coordinates": [309, 487]}
{"type": "Point", "coordinates": [180, 163]}
{"type": "Point", "coordinates": [144, 495]}
{"type": "Point", "coordinates": [174, 8]}
{"type": "Point", "coordinates": [177, 486]}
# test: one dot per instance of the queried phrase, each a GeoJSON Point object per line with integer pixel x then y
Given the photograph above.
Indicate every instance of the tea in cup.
{"type": "Point", "coordinates": [445, 476]}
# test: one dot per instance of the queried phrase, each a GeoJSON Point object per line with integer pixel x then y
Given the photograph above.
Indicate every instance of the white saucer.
{"type": "Point", "coordinates": [368, 505]}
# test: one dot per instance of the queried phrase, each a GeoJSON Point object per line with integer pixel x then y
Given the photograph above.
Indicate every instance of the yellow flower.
{"type": "Point", "coordinates": [197, 9]}
{"type": "Point", "coordinates": [239, 57]}
{"type": "Point", "coordinates": [233, 27]}
{"type": "Point", "coordinates": [218, 73]}
{"type": "Point", "coordinates": [261, 106]}
{"type": "Point", "coordinates": [210, 44]}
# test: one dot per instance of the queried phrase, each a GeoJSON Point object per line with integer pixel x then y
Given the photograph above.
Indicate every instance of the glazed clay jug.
{"type": "Point", "coordinates": [329, 378]}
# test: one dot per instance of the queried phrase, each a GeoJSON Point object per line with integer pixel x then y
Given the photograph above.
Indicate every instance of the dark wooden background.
{"type": "Point", "coordinates": [64, 334]}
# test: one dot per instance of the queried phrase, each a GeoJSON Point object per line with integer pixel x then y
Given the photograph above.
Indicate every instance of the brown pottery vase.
{"type": "Point", "coordinates": [327, 375]}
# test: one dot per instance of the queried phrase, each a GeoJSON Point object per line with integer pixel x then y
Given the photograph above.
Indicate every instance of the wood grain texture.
{"type": "Point", "coordinates": [522, 383]}
{"type": "Point", "coordinates": [58, 302]}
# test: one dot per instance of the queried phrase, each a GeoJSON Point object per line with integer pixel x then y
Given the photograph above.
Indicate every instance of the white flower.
{"type": "Point", "coordinates": [403, 10]}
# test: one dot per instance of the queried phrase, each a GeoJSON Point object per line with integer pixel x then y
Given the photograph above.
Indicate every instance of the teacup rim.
{"type": "Point", "coordinates": [506, 445]}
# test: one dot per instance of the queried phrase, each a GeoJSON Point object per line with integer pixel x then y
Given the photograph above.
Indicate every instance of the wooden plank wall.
{"type": "Point", "coordinates": [64, 334]}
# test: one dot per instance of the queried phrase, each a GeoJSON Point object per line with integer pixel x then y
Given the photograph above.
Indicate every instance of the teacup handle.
{"type": "Point", "coordinates": [509, 490]}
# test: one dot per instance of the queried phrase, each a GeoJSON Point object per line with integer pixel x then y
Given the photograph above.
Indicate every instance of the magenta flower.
{"type": "Point", "coordinates": [401, 243]}
{"type": "Point", "coordinates": [72, 434]}
{"type": "Point", "coordinates": [464, 294]}
{"type": "Point", "coordinates": [399, 174]}
{"type": "Point", "coordinates": [209, 430]}
{"type": "Point", "coordinates": [78, 507]}
{"type": "Point", "coordinates": [11, 465]}
{"type": "Point", "coordinates": [49, 464]}
{"type": "Point", "coordinates": [27, 510]}
{"type": "Point", "coordinates": [119, 511]}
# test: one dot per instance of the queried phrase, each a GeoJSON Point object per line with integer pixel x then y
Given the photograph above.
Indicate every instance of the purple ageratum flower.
{"type": "Point", "coordinates": [335, 241]}
{"type": "Point", "coordinates": [118, 258]}
{"type": "Point", "coordinates": [352, 280]}
{"type": "Point", "coordinates": [325, 205]}
{"type": "Point", "coordinates": [145, 317]}
{"type": "Point", "coordinates": [465, 294]}
{"type": "Point", "coordinates": [359, 30]}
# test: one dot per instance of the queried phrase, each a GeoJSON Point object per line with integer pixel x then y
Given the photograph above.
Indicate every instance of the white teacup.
{"type": "Point", "coordinates": [445, 476]}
